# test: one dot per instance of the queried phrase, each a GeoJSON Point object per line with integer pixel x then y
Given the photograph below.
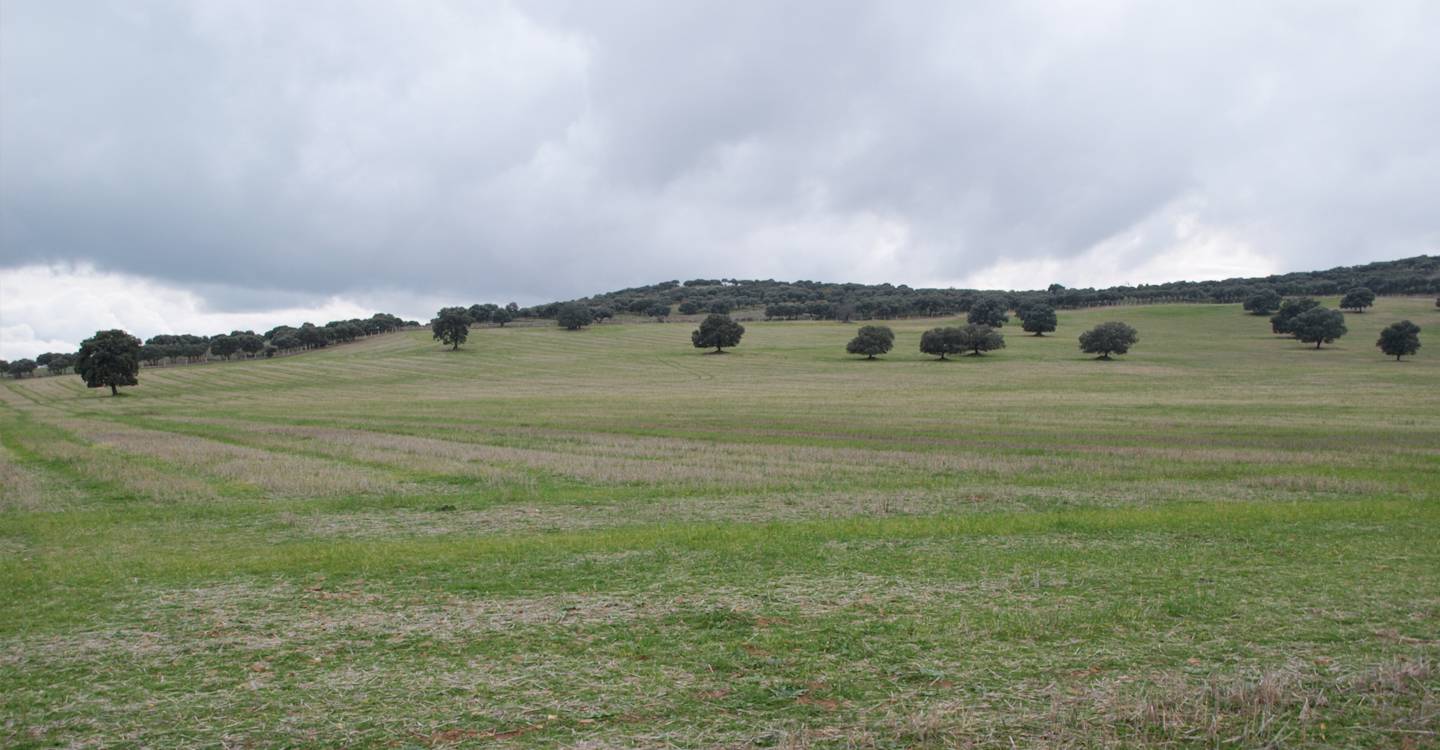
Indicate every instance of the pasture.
{"type": "Point", "coordinates": [608, 538]}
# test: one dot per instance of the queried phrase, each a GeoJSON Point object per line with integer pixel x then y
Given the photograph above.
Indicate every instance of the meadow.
{"type": "Point", "coordinates": [608, 538]}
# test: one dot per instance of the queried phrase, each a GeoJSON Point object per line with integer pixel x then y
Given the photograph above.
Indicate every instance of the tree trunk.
{"type": "Point", "coordinates": [113, 390]}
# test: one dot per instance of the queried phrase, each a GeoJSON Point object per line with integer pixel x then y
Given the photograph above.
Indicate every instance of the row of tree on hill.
{"type": "Point", "coordinates": [832, 301]}
{"type": "Point", "coordinates": [977, 338]}
{"type": "Point", "coordinates": [186, 348]}
{"type": "Point", "coordinates": [1306, 320]}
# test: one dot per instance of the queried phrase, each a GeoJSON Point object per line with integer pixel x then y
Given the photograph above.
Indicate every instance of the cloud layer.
{"type": "Point", "coordinates": [552, 149]}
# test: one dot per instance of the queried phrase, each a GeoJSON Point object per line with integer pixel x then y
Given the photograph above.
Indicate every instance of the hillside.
{"type": "Point", "coordinates": [608, 538]}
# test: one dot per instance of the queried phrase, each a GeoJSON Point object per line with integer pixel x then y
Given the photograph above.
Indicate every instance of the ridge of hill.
{"type": "Point", "coordinates": [1419, 275]}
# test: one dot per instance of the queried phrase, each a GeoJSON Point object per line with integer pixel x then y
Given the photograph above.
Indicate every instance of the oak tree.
{"type": "Point", "coordinates": [1400, 339]}
{"type": "Point", "coordinates": [871, 340]}
{"type": "Point", "coordinates": [1109, 338]}
{"type": "Point", "coordinates": [109, 358]}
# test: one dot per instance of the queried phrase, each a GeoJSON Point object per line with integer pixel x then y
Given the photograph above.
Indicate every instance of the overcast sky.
{"type": "Point", "coordinates": [208, 165]}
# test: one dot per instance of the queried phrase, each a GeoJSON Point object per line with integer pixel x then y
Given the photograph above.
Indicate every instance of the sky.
{"type": "Point", "coordinates": [214, 165]}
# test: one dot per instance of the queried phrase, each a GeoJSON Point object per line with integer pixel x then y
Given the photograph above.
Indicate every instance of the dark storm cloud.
{"type": "Point", "coordinates": [551, 149]}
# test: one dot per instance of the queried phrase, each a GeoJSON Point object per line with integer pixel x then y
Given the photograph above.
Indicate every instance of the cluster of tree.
{"type": "Point", "coordinates": [107, 359]}
{"type": "Point", "coordinates": [1305, 319]}
{"type": "Point", "coordinates": [184, 348]}
{"type": "Point", "coordinates": [54, 363]}
{"type": "Point", "coordinates": [20, 368]}
{"type": "Point", "coordinates": [975, 338]}
{"type": "Point", "coordinates": [835, 301]}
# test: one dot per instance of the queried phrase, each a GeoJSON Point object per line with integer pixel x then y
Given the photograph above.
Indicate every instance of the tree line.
{"type": "Point", "coordinates": [815, 300]}
{"type": "Point", "coordinates": [186, 348]}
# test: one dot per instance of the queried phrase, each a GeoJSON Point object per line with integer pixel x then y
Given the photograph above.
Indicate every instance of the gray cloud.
{"type": "Point", "coordinates": [552, 149]}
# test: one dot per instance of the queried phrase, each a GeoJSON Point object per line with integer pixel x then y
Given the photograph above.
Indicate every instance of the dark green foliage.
{"type": "Point", "coordinates": [689, 307]}
{"type": "Point", "coordinates": [658, 312]}
{"type": "Point", "coordinates": [978, 339]}
{"type": "Point", "coordinates": [1317, 325]}
{"type": "Point", "coordinates": [109, 358]}
{"type": "Point", "coordinates": [871, 340]}
{"type": "Point", "coordinates": [481, 313]}
{"type": "Point", "coordinates": [1280, 321]}
{"type": "Point", "coordinates": [718, 331]}
{"type": "Point", "coordinates": [1400, 339]}
{"type": "Point", "coordinates": [451, 326]}
{"type": "Point", "coordinates": [941, 341]}
{"type": "Point", "coordinates": [1263, 302]}
{"type": "Point", "coordinates": [223, 346]}
{"type": "Point", "coordinates": [1038, 319]}
{"type": "Point", "coordinates": [720, 307]}
{"type": "Point", "coordinates": [1109, 338]}
{"type": "Point", "coordinates": [22, 367]}
{"type": "Point", "coordinates": [1357, 299]}
{"type": "Point", "coordinates": [502, 316]}
{"type": "Point", "coordinates": [573, 316]}
{"type": "Point", "coordinates": [988, 311]}
{"type": "Point", "coordinates": [602, 313]}
{"type": "Point", "coordinates": [59, 363]}
{"type": "Point", "coordinates": [4, 366]}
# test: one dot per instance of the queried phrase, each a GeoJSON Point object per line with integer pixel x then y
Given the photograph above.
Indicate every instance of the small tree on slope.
{"type": "Point", "coordinates": [1109, 338]}
{"type": "Point", "coordinates": [718, 331]}
{"type": "Point", "coordinates": [1400, 339]}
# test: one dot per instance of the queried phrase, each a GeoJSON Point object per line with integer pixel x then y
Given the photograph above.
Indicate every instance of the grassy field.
{"type": "Point", "coordinates": [607, 538]}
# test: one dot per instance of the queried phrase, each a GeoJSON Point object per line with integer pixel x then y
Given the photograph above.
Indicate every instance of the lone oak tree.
{"type": "Point", "coordinates": [1317, 325]}
{"type": "Point", "coordinates": [1107, 338]}
{"type": "Point", "coordinates": [1039, 320]}
{"type": "Point", "coordinates": [718, 331]}
{"type": "Point", "coordinates": [871, 340]}
{"type": "Point", "coordinates": [451, 326]}
{"type": "Point", "coordinates": [1400, 339]}
{"type": "Point", "coordinates": [109, 358]}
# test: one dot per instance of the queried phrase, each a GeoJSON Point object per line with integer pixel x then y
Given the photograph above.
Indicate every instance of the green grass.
{"type": "Point", "coordinates": [607, 538]}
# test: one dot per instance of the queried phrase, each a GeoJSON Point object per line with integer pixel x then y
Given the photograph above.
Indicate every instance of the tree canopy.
{"type": "Point", "coordinates": [978, 339]}
{"type": "Point", "coordinates": [718, 331]}
{"type": "Point", "coordinates": [1109, 338]}
{"type": "Point", "coordinates": [1317, 325]}
{"type": "Point", "coordinates": [658, 312]}
{"type": "Point", "coordinates": [573, 316]}
{"type": "Point", "coordinates": [1400, 339]}
{"type": "Point", "coordinates": [1263, 302]}
{"type": "Point", "coordinates": [1038, 319]}
{"type": "Point", "coordinates": [451, 326]}
{"type": "Point", "coordinates": [871, 340]}
{"type": "Point", "coordinates": [988, 311]}
{"type": "Point", "coordinates": [1357, 299]}
{"type": "Point", "coordinates": [1280, 321]}
{"type": "Point", "coordinates": [941, 341]}
{"type": "Point", "coordinates": [109, 358]}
